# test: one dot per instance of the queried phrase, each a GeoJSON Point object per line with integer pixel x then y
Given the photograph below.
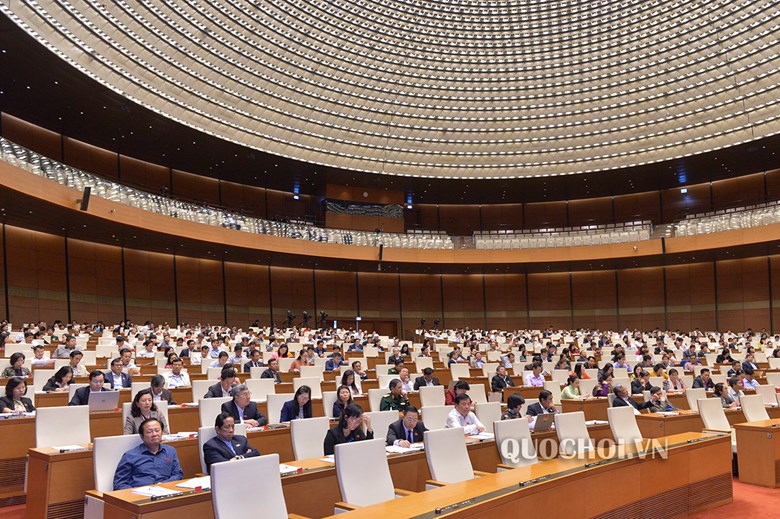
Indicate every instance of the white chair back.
{"type": "Point", "coordinates": [753, 408]}
{"type": "Point", "coordinates": [587, 385]}
{"type": "Point", "coordinates": [382, 369]}
{"type": "Point", "coordinates": [285, 363]}
{"type": "Point", "coordinates": [209, 408]}
{"type": "Point", "coordinates": [489, 369]}
{"type": "Point", "coordinates": [72, 390]}
{"type": "Point", "coordinates": [49, 430]}
{"type": "Point", "coordinates": [555, 388]}
{"type": "Point", "coordinates": [106, 453]}
{"type": "Point", "coordinates": [260, 388]}
{"type": "Point", "coordinates": [380, 422]}
{"type": "Point", "coordinates": [515, 432]}
{"type": "Point", "coordinates": [431, 396]}
{"type": "Point", "coordinates": [313, 372]}
{"type": "Point", "coordinates": [328, 399]}
{"type": "Point", "coordinates": [423, 362]}
{"type": "Point", "coordinates": [572, 432]}
{"type": "Point", "coordinates": [371, 484]}
{"type": "Point", "coordinates": [448, 459]}
{"type": "Point", "coordinates": [477, 393]}
{"type": "Point", "coordinates": [693, 395]}
{"type": "Point", "coordinates": [259, 477]}
{"type": "Point", "coordinates": [40, 377]}
{"type": "Point", "coordinates": [207, 433]}
{"type": "Point", "coordinates": [213, 374]}
{"type": "Point", "coordinates": [307, 436]}
{"type": "Point", "coordinates": [488, 413]}
{"type": "Point", "coordinates": [256, 372]}
{"type": "Point", "coordinates": [435, 417]}
{"type": "Point", "coordinates": [713, 415]}
{"type": "Point", "coordinates": [200, 388]}
{"type": "Point", "coordinates": [622, 422]}
{"type": "Point", "coordinates": [459, 371]}
{"type": "Point", "coordinates": [275, 403]}
{"type": "Point", "coordinates": [135, 387]}
{"type": "Point", "coordinates": [312, 382]}
{"type": "Point", "coordinates": [767, 393]}
{"type": "Point", "coordinates": [375, 397]}
{"type": "Point", "coordinates": [384, 381]}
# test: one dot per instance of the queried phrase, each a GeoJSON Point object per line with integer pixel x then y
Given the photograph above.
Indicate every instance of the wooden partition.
{"type": "Point", "coordinates": [95, 280]}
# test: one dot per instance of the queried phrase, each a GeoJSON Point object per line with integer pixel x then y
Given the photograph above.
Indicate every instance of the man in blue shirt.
{"type": "Point", "coordinates": [149, 463]}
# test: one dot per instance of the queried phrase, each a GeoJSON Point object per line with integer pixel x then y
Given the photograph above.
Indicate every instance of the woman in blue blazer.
{"type": "Point", "coordinates": [298, 407]}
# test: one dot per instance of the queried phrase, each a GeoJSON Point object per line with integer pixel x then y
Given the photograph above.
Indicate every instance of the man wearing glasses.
{"type": "Point", "coordinates": [406, 431]}
{"type": "Point", "coordinates": [226, 445]}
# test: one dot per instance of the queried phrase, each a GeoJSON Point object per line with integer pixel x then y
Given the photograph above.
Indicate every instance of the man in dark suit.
{"type": "Point", "coordinates": [81, 396]}
{"type": "Point", "coordinates": [749, 363]}
{"type": "Point", "coordinates": [426, 380]}
{"type": "Point", "coordinates": [115, 378]}
{"type": "Point", "coordinates": [222, 388]}
{"type": "Point", "coordinates": [641, 384]}
{"type": "Point", "coordinates": [704, 380]}
{"type": "Point", "coordinates": [406, 431]}
{"type": "Point", "coordinates": [242, 409]}
{"type": "Point", "coordinates": [501, 380]}
{"type": "Point", "coordinates": [254, 361]}
{"type": "Point", "coordinates": [622, 398]}
{"type": "Point", "coordinates": [272, 371]}
{"type": "Point", "coordinates": [543, 406]}
{"type": "Point", "coordinates": [159, 392]}
{"type": "Point", "coordinates": [226, 445]}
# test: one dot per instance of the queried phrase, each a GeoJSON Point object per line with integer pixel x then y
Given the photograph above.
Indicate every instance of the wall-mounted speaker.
{"type": "Point", "coordinates": [85, 198]}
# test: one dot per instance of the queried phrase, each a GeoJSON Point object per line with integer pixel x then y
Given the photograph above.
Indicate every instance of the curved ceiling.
{"type": "Point", "coordinates": [469, 89]}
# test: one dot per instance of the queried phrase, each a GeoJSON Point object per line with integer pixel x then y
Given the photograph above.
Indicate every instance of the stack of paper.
{"type": "Point", "coordinates": [154, 491]}
{"type": "Point", "coordinates": [395, 449]}
{"type": "Point", "coordinates": [203, 482]}
{"type": "Point", "coordinates": [287, 469]}
{"type": "Point", "coordinates": [484, 436]}
{"type": "Point", "coordinates": [329, 459]}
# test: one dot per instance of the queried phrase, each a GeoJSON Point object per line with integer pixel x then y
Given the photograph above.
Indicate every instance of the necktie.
{"type": "Point", "coordinates": [409, 436]}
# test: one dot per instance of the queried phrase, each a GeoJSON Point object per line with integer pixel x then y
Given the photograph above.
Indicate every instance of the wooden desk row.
{"type": "Point", "coordinates": [691, 486]}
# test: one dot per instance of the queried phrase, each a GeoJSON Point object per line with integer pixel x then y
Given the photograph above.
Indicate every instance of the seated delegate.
{"type": "Point", "coordinates": [226, 445]}
{"type": "Point", "coordinates": [407, 430]}
{"type": "Point", "coordinates": [298, 407]}
{"type": "Point", "coordinates": [14, 400]}
{"type": "Point", "coordinates": [348, 429]}
{"type": "Point", "coordinates": [149, 463]}
{"type": "Point", "coordinates": [143, 408]}
{"type": "Point", "coordinates": [81, 396]}
{"type": "Point", "coordinates": [242, 409]}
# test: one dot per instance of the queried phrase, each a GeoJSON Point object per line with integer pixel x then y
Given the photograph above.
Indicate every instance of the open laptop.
{"type": "Point", "coordinates": [543, 422]}
{"type": "Point", "coordinates": [103, 401]}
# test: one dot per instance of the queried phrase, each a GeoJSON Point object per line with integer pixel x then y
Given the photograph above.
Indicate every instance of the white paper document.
{"type": "Point", "coordinates": [329, 459]}
{"type": "Point", "coordinates": [286, 469]}
{"type": "Point", "coordinates": [203, 482]}
{"type": "Point", "coordinates": [483, 436]}
{"type": "Point", "coordinates": [66, 448]}
{"type": "Point", "coordinates": [396, 449]}
{"type": "Point", "coordinates": [154, 491]}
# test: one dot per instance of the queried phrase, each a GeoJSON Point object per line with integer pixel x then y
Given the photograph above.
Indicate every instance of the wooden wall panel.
{"type": "Point", "coordinates": [3, 308]}
{"type": "Point", "coordinates": [359, 222]}
{"type": "Point", "coordinates": [30, 136]}
{"type": "Point", "coordinates": [549, 300]}
{"type": "Point", "coordinates": [369, 195]}
{"type": "Point", "coordinates": [90, 158]}
{"type": "Point", "coordinates": [505, 301]}
{"type": "Point", "coordinates": [743, 294]}
{"type": "Point", "coordinates": [459, 220]}
{"type": "Point", "coordinates": [248, 199]}
{"type": "Point", "coordinates": [195, 187]}
{"type": "Point", "coordinates": [95, 274]}
{"type": "Point", "coordinates": [282, 205]}
{"type": "Point", "coordinates": [502, 216]}
{"type": "Point", "coordinates": [291, 289]}
{"type": "Point", "coordinates": [337, 295]}
{"type": "Point", "coordinates": [641, 296]}
{"type": "Point", "coordinates": [428, 216]}
{"type": "Point", "coordinates": [541, 215]}
{"type": "Point", "coordinates": [420, 299]}
{"type": "Point", "coordinates": [150, 177]}
{"type": "Point", "coordinates": [149, 284]}
{"type": "Point", "coordinates": [678, 204]}
{"type": "Point", "coordinates": [247, 294]}
{"type": "Point", "coordinates": [36, 276]}
{"type": "Point", "coordinates": [690, 296]}
{"type": "Point", "coordinates": [591, 211]}
{"type": "Point", "coordinates": [734, 192]}
{"type": "Point", "coordinates": [774, 268]}
{"type": "Point", "coordinates": [463, 301]}
{"type": "Point", "coordinates": [773, 184]}
{"type": "Point", "coordinates": [593, 298]}
{"type": "Point", "coordinates": [379, 296]}
{"type": "Point", "coordinates": [200, 290]}
{"type": "Point", "coordinates": [639, 206]}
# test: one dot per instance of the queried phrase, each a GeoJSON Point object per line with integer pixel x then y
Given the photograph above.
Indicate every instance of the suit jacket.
{"type": "Point", "coordinates": [699, 382]}
{"type": "Point", "coordinates": [215, 450]}
{"type": "Point", "coordinates": [751, 365]}
{"type": "Point", "coordinates": [420, 381]}
{"type": "Point", "coordinates": [167, 396]}
{"type": "Point", "coordinates": [288, 412]}
{"type": "Point", "coordinates": [250, 412]}
{"type": "Point", "coordinates": [126, 380]}
{"type": "Point", "coordinates": [272, 374]}
{"type": "Point", "coordinates": [537, 409]}
{"type": "Point", "coordinates": [335, 436]}
{"type": "Point", "coordinates": [81, 396]}
{"type": "Point", "coordinates": [498, 383]}
{"type": "Point", "coordinates": [637, 388]}
{"type": "Point", "coordinates": [249, 365]}
{"type": "Point", "coordinates": [619, 402]}
{"type": "Point", "coordinates": [214, 391]}
{"type": "Point", "coordinates": [8, 402]}
{"type": "Point", "coordinates": [396, 432]}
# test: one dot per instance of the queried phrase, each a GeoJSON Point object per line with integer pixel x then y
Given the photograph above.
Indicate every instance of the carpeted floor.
{"type": "Point", "coordinates": [749, 501]}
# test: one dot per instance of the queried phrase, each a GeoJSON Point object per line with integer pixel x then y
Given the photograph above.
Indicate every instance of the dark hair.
{"type": "Point", "coordinates": [345, 375]}
{"type": "Point", "coordinates": [672, 371]}
{"type": "Point", "coordinates": [748, 370]}
{"type": "Point", "coordinates": [16, 356]}
{"type": "Point", "coordinates": [220, 420]}
{"type": "Point", "coordinates": [733, 381]}
{"type": "Point", "coordinates": [134, 409]}
{"type": "Point", "coordinates": [143, 424]}
{"type": "Point", "coordinates": [514, 401]}
{"type": "Point", "coordinates": [157, 381]}
{"type": "Point", "coordinates": [411, 409]}
{"type": "Point", "coordinates": [577, 370]}
{"type": "Point", "coordinates": [427, 371]}
{"type": "Point", "coordinates": [60, 374]}
{"type": "Point", "coordinates": [703, 370]}
{"type": "Point", "coordinates": [654, 390]}
{"type": "Point", "coordinates": [251, 353]}
{"type": "Point", "coordinates": [227, 373]}
{"type": "Point", "coordinates": [13, 382]}
{"type": "Point", "coordinates": [461, 384]}
{"type": "Point", "coordinates": [644, 373]}
{"type": "Point", "coordinates": [95, 374]}
{"type": "Point", "coordinates": [307, 405]}
{"type": "Point", "coordinates": [536, 365]}
{"type": "Point", "coordinates": [393, 383]}
{"type": "Point", "coordinates": [461, 397]}
{"type": "Point", "coordinates": [338, 391]}
{"type": "Point", "coordinates": [223, 354]}
{"type": "Point", "coordinates": [657, 367]}
{"type": "Point", "coordinates": [572, 379]}
{"type": "Point", "coordinates": [124, 350]}
{"type": "Point", "coordinates": [350, 411]}
{"type": "Point", "coordinates": [719, 388]}
{"type": "Point", "coordinates": [116, 361]}
{"type": "Point", "coordinates": [544, 394]}
{"type": "Point", "coordinates": [176, 359]}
